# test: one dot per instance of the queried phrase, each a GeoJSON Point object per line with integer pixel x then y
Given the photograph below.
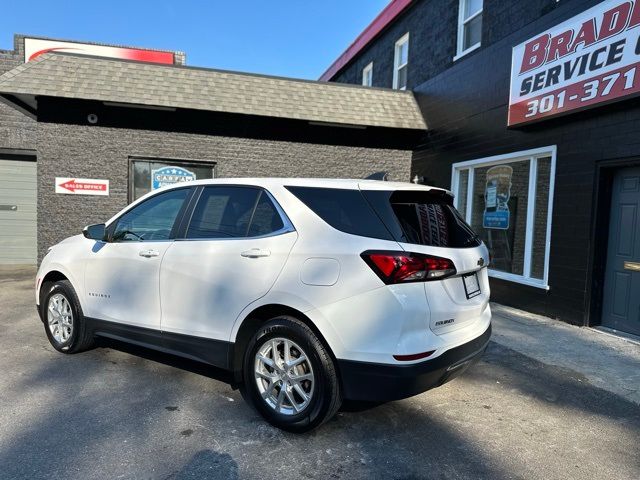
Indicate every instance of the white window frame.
{"type": "Point", "coordinates": [396, 59]}
{"type": "Point", "coordinates": [367, 75]}
{"type": "Point", "coordinates": [462, 22]}
{"type": "Point", "coordinates": [527, 155]}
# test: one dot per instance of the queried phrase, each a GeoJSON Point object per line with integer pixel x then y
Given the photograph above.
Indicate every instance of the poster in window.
{"type": "Point", "coordinates": [170, 175]}
{"type": "Point", "coordinates": [496, 198]}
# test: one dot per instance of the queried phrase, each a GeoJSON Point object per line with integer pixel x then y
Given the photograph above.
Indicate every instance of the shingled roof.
{"type": "Point", "coordinates": [112, 80]}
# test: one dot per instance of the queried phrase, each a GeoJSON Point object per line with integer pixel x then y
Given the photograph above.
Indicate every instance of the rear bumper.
{"type": "Point", "coordinates": [376, 382]}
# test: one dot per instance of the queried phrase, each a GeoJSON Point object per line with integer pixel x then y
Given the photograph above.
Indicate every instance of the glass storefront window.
{"type": "Point", "coordinates": [510, 199]}
{"type": "Point", "coordinates": [142, 179]}
{"type": "Point", "coordinates": [461, 195]}
{"type": "Point", "coordinates": [540, 218]}
{"type": "Point", "coordinates": [510, 187]}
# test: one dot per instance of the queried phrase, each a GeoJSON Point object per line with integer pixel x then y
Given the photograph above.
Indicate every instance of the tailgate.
{"type": "Point", "coordinates": [457, 301]}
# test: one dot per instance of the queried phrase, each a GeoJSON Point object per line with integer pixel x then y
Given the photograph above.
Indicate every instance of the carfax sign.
{"type": "Point", "coordinates": [170, 175]}
{"type": "Point", "coordinates": [591, 59]}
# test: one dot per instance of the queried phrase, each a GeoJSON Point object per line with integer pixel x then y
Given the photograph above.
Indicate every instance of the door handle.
{"type": "Point", "coordinates": [633, 266]}
{"type": "Point", "coordinates": [256, 253]}
{"type": "Point", "coordinates": [149, 253]}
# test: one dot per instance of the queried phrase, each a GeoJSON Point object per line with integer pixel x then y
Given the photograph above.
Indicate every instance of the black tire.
{"type": "Point", "coordinates": [81, 337]}
{"type": "Point", "coordinates": [326, 398]}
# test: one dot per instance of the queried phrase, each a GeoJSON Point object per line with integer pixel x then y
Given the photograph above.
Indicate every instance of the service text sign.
{"type": "Point", "coordinates": [591, 59]}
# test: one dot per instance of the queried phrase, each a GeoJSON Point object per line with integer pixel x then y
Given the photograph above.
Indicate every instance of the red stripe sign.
{"type": "Point", "coordinates": [34, 47]}
{"type": "Point", "coordinates": [589, 60]}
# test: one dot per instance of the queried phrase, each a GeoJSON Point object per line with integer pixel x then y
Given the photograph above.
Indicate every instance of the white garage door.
{"type": "Point", "coordinates": [17, 212]}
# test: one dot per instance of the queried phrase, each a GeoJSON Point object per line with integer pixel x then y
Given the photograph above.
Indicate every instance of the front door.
{"type": "Point", "coordinates": [123, 275]}
{"type": "Point", "coordinates": [235, 247]}
{"type": "Point", "coordinates": [621, 306]}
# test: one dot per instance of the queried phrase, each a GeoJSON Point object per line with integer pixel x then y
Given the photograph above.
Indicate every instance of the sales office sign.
{"type": "Point", "coordinates": [591, 59]}
{"type": "Point", "coordinates": [82, 186]}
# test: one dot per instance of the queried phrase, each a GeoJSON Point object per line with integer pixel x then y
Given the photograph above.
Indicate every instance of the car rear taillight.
{"type": "Point", "coordinates": [403, 267]}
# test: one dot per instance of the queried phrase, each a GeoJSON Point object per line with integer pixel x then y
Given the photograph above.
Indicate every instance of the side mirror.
{"type": "Point", "coordinates": [95, 232]}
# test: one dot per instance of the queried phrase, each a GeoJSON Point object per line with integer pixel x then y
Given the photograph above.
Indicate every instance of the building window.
{"type": "Point", "coordinates": [367, 75]}
{"type": "Point", "coordinates": [401, 63]}
{"type": "Point", "coordinates": [508, 200]}
{"type": "Point", "coordinates": [469, 26]}
{"type": "Point", "coordinates": [148, 174]}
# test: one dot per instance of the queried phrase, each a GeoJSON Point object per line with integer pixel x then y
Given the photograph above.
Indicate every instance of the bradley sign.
{"type": "Point", "coordinates": [590, 59]}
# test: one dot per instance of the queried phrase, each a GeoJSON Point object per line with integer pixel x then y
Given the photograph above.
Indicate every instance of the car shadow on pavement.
{"type": "Point", "coordinates": [553, 385]}
{"type": "Point", "coordinates": [208, 464]}
{"type": "Point", "coordinates": [106, 413]}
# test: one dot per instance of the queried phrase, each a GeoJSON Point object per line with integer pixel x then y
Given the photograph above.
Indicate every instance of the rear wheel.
{"type": "Point", "coordinates": [289, 376]}
{"type": "Point", "coordinates": [63, 320]}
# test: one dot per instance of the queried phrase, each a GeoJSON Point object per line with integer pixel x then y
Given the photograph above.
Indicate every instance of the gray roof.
{"type": "Point", "coordinates": [121, 81]}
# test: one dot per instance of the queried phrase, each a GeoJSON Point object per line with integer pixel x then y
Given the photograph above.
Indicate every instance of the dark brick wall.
{"type": "Point", "coordinates": [466, 110]}
{"type": "Point", "coordinates": [66, 150]}
{"type": "Point", "coordinates": [433, 27]}
{"type": "Point", "coordinates": [465, 104]}
{"type": "Point", "coordinates": [17, 131]}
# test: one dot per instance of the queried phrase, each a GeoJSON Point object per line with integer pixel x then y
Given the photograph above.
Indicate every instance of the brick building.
{"type": "Point", "coordinates": [87, 118]}
{"type": "Point", "coordinates": [534, 124]}
{"type": "Point", "coordinates": [532, 116]}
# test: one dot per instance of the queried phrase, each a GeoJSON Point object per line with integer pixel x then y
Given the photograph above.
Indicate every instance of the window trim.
{"type": "Point", "coordinates": [396, 58]}
{"type": "Point", "coordinates": [526, 155]}
{"type": "Point", "coordinates": [462, 22]}
{"type": "Point", "coordinates": [365, 72]}
{"type": "Point", "coordinates": [188, 215]}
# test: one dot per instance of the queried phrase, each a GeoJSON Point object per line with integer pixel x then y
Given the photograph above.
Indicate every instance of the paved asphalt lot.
{"type": "Point", "coordinates": [112, 414]}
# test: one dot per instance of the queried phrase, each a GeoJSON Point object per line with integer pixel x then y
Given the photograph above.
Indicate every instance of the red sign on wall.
{"type": "Point", "coordinates": [82, 186]}
{"type": "Point", "coordinates": [588, 60]}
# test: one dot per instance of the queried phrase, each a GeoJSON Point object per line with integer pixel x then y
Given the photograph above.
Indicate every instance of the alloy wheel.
{"type": "Point", "coordinates": [284, 376]}
{"type": "Point", "coordinates": [60, 318]}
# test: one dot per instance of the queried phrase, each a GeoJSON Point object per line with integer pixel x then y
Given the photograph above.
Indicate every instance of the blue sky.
{"type": "Point", "coordinates": [298, 38]}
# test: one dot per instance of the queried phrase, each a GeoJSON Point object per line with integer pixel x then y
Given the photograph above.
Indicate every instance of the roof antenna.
{"type": "Point", "coordinates": [384, 176]}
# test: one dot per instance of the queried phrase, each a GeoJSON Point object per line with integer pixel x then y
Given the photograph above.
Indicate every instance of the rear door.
{"type": "Point", "coordinates": [233, 249]}
{"type": "Point", "coordinates": [426, 222]}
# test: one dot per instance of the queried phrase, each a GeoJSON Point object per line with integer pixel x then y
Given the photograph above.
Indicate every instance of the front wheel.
{"type": "Point", "coordinates": [64, 323]}
{"type": "Point", "coordinates": [289, 376]}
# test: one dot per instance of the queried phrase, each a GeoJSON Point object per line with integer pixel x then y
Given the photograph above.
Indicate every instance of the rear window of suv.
{"type": "Point", "coordinates": [422, 218]}
{"type": "Point", "coordinates": [344, 210]}
{"type": "Point", "coordinates": [416, 217]}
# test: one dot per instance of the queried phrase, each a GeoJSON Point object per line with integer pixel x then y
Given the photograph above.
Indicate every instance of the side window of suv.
{"type": "Point", "coordinates": [223, 212]}
{"type": "Point", "coordinates": [233, 212]}
{"type": "Point", "coordinates": [153, 219]}
{"type": "Point", "coordinates": [266, 218]}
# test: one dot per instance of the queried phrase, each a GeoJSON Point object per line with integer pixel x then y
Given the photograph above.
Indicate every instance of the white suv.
{"type": "Point", "coordinates": [309, 291]}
